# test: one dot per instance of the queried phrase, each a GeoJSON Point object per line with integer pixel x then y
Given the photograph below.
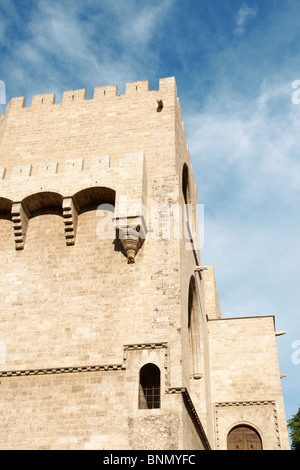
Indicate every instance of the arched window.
{"type": "Point", "coordinates": [243, 438]}
{"type": "Point", "coordinates": [149, 387]}
{"type": "Point", "coordinates": [189, 209]}
{"type": "Point", "coordinates": [193, 329]}
{"type": "Point", "coordinates": [185, 184]}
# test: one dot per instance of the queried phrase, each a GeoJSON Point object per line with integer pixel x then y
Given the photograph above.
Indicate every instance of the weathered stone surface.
{"type": "Point", "coordinates": [79, 319]}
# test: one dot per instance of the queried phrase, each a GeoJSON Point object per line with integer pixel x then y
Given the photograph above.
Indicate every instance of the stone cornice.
{"type": "Point", "coordinates": [89, 368]}
{"type": "Point", "coordinates": [193, 413]}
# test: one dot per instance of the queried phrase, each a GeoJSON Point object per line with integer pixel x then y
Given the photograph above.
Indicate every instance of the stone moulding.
{"type": "Point", "coordinates": [192, 412]}
{"type": "Point", "coordinates": [92, 368]}
{"type": "Point", "coordinates": [60, 370]}
{"type": "Point", "coordinates": [165, 346]}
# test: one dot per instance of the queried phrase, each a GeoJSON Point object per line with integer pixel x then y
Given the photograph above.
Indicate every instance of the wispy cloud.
{"type": "Point", "coordinates": [244, 14]}
{"type": "Point", "coordinates": [62, 45]}
{"type": "Point", "coordinates": [139, 25]}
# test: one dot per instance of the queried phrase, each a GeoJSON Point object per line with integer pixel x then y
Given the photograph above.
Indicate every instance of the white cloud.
{"type": "Point", "coordinates": [259, 142]}
{"type": "Point", "coordinates": [63, 45]}
{"type": "Point", "coordinates": [139, 25]}
{"type": "Point", "coordinates": [245, 159]}
{"type": "Point", "coordinates": [244, 14]}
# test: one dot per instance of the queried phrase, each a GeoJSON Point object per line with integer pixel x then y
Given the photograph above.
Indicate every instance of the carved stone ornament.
{"type": "Point", "coordinates": [131, 231]}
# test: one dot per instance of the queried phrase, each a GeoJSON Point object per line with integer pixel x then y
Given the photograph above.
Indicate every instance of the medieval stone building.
{"type": "Point", "coordinates": [111, 335]}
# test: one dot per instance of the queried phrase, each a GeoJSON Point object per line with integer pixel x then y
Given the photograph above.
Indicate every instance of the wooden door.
{"type": "Point", "coordinates": [243, 438]}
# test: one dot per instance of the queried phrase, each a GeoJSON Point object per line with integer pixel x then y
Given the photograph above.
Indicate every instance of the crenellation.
{"type": "Point", "coordinates": [74, 165]}
{"type": "Point", "coordinates": [74, 95]}
{"type": "Point", "coordinates": [103, 92]}
{"type": "Point", "coordinates": [43, 99]}
{"type": "Point", "coordinates": [46, 186]}
{"type": "Point", "coordinates": [16, 103]}
{"type": "Point", "coordinates": [166, 86]}
{"type": "Point", "coordinates": [21, 171]}
{"type": "Point", "coordinates": [130, 173]}
{"type": "Point", "coordinates": [136, 87]}
{"type": "Point", "coordinates": [100, 163]}
{"type": "Point", "coordinates": [48, 168]}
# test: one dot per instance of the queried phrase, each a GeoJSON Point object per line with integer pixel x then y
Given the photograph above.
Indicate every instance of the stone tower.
{"type": "Point", "coordinates": [111, 334]}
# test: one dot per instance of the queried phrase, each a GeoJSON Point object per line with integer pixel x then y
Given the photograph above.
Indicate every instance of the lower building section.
{"type": "Point", "coordinates": [247, 426]}
{"type": "Point", "coordinates": [100, 407]}
{"type": "Point", "coordinates": [246, 385]}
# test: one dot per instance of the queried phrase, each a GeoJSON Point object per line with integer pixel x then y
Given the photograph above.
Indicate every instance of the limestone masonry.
{"type": "Point", "coordinates": [111, 334]}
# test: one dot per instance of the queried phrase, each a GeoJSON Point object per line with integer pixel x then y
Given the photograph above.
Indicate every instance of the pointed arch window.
{"type": "Point", "coordinates": [185, 184]}
{"type": "Point", "coordinates": [189, 208]}
{"type": "Point", "coordinates": [193, 329]}
{"type": "Point", "coordinates": [149, 387]}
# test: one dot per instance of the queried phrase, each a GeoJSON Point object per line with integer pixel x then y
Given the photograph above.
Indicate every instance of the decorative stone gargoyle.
{"type": "Point", "coordinates": [131, 231]}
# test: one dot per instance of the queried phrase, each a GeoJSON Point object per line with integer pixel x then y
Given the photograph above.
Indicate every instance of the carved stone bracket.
{"type": "Point", "coordinates": [20, 219]}
{"type": "Point", "coordinates": [131, 231]}
{"type": "Point", "coordinates": [70, 215]}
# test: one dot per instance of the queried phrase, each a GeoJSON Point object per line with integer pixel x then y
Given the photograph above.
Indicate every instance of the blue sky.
{"type": "Point", "coordinates": [234, 64]}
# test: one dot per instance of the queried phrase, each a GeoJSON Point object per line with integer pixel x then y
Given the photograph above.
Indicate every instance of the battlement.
{"type": "Point", "coordinates": [52, 152]}
{"type": "Point", "coordinates": [166, 85]}
{"type": "Point", "coordinates": [74, 175]}
{"type": "Point", "coordinates": [140, 120]}
{"type": "Point", "coordinates": [20, 172]}
{"type": "Point", "coordinates": [71, 191]}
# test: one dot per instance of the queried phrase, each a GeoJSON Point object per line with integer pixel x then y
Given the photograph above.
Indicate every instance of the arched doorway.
{"type": "Point", "coordinates": [243, 438]}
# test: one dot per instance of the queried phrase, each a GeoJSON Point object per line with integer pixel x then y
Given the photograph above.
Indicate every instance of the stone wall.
{"type": "Point", "coordinates": [245, 375]}
{"type": "Point", "coordinates": [71, 302]}
{"type": "Point", "coordinates": [81, 314]}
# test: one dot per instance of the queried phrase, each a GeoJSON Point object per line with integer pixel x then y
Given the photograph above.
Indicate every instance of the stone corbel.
{"type": "Point", "coordinates": [70, 215]}
{"type": "Point", "coordinates": [131, 231]}
{"type": "Point", "coordinates": [20, 219]}
{"type": "Point", "coordinates": [197, 376]}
